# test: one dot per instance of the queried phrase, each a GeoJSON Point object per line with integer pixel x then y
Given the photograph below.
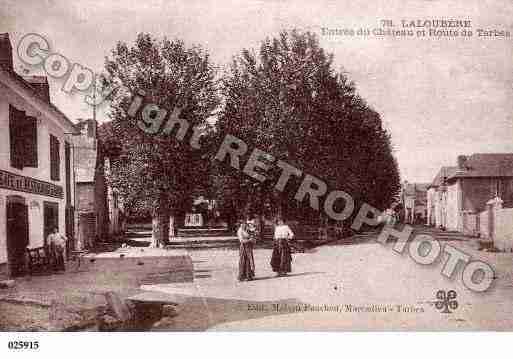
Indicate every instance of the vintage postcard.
{"type": "Point", "coordinates": [256, 165]}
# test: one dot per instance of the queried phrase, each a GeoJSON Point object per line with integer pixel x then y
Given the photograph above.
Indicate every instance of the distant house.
{"type": "Point", "coordinates": [467, 188]}
{"type": "Point", "coordinates": [98, 206]}
{"type": "Point", "coordinates": [414, 202]}
{"type": "Point", "coordinates": [437, 198]}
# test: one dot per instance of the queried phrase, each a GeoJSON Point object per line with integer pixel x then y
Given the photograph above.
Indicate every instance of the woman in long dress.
{"type": "Point", "coordinates": [247, 238]}
{"type": "Point", "coordinates": [282, 258]}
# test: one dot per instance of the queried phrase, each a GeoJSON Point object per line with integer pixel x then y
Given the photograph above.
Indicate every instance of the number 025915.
{"type": "Point", "coordinates": [23, 345]}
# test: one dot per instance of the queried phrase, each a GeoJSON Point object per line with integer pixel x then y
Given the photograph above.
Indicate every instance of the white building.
{"type": "Point", "coordinates": [459, 194]}
{"type": "Point", "coordinates": [414, 201]}
{"type": "Point", "coordinates": [438, 195]}
{"type": "Point", "coordinates": [36, 169]}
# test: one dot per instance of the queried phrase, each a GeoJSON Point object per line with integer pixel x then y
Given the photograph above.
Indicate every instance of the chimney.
{"type": "Point", "coordinates": [40, 85]}
{"type": "Point", "coordinates": [87, 127]}
{"type": "Point", "coordinates": [5, 52]}
{"type": "Point", "coordinates": [92, 126]}
{"type": "Point", "coordinates": [462, 163]}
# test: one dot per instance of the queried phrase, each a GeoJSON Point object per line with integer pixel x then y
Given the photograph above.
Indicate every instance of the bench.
{"type": "Point", "coordinates": [38, 260]}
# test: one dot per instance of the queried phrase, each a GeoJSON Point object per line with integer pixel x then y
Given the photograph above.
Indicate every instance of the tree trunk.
{"type": "Point", "coordinates": [160, 223]}
{"type": "Point", "coordinates": [232, 216]}
{"type": "Point", "coordinates": [172, 228]}
{"type": "Point", "coordinates": [278, 207]}
{"type": "Point", "coordinates": [323, 227]}
{"type": "Point", "coordinates": [247, 210]}
{"type": "Point", "coordinates": [259, 215]}
{"type": "Point", "coordinates": [164, 227]}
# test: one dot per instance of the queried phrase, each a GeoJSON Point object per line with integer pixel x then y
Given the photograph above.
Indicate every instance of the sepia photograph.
{"type": "Point", "coordinates": [255, 166]}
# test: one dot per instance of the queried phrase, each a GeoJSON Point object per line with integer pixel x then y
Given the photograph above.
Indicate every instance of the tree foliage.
{"type": "Point", "coordinates": [287, 100]}
{"type": "Point", "coordinates": [156, 169]}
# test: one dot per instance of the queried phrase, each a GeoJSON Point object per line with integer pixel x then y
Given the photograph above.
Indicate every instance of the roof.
{"type": "Point", "coordinates": [36, 79]}
{"type": "Point", "coordinates": [411, 189]}
{"type": "Point", "coordinates": [486, 165]}
{"type": "Point", "coordinates": [445, 171]}
{"type": "Point", "coordinates": [41, 101]}
{"type": "Point", "coordinates": [40, 84]}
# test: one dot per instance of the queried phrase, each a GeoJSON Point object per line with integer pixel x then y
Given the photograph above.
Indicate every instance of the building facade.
{"type": "Point", "coordinates": [437, 198]}
{"type": "Point", "coordinates": [100, 211]}
{"type": "Point", "coordinates": [460, 193]}
{"type": "Point", "coordinates": [36, 161]}
{"type": "Point", "coordinates": [414, 202]}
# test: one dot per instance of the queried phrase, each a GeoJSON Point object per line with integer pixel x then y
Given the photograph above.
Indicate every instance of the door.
{"type": "Point", "coordinates": [17, 235]}
{"type": "Point", "coordinates": [70, 229]}
{"type": "Point", "coordinates": [51, 218]}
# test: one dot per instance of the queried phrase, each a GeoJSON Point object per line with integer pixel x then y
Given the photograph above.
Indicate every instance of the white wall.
{"type": "Point", "coordinates": [504, 229]}
{"type": "Point", "coordinates": [431, 200]}
{"type": "Point", "coordinates": [453, 206]}
{"type": "Point", "coordinates": [36, 219]}
{"type": "Point", "coordinates": [438, 210]}
{"type": "Point", "coordinates": [46, 127]}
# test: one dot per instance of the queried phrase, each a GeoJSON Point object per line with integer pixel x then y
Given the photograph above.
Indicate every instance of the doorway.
{"type": "Point", "coordinates": [17, 235]}
{"type": "Point", "coordinates": [51, 218]}
{"type": "Point", "coordinates": [69, 219]}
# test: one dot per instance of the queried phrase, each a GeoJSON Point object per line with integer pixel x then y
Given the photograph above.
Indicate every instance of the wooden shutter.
{"type": "Point", "coordinates": [30, 137]}
{"type": "Point", "coordinates": [67, 164]}
{"type": "Point", "coordinates": [23, 138]}
{"type": "Point", "coordinates": [55, 160]}
{"type": "Point", "coordinates": [16, 129]}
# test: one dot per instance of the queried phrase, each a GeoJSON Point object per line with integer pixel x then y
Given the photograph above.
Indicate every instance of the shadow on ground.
{"type": "Point", "coordinates": [288, 275]}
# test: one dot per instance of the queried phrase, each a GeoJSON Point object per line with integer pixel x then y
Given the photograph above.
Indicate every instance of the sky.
{"type": "Point", "coordinates": [438, 97]}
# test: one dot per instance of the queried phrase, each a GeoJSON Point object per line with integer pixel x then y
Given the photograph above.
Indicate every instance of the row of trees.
{"type": "Point", "coordinates": [285, 98]}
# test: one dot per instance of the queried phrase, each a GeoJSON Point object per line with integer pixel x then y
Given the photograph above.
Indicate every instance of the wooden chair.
{"type": "Point", "coordinates": [38, 259]}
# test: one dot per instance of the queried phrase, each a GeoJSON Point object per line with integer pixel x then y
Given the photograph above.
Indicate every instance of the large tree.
{"type": "Point", "coordinates": [287, 100]}
{"type": "Point", "coordinates": [155, 167]}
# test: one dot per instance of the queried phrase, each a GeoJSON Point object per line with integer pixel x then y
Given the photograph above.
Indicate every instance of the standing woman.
{"type": "Point", "coordinates": [247, 238]}
{"type": "Point", "coordinates": [281, 258]}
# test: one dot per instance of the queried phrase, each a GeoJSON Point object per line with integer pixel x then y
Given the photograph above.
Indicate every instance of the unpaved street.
{"type": "Point", "coordinates": [363, 286]}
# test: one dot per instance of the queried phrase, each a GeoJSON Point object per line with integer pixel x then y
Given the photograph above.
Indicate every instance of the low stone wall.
{"type": "Point", "coordinates": [504, 230]}
{"type": "Point", "coordinates": [469, 223]}
{"type": "Point", "coordinates": [502, 235]}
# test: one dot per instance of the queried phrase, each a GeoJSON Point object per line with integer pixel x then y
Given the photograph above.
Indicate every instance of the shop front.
{"type": "Point", "coordinates": [29, 209]}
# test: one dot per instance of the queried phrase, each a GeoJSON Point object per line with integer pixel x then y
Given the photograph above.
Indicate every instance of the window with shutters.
{"type": "Point", "coordinates": [30, 136]}
{"type": "Point", "coordinates": [23, 138]}
{"type": "Point", "coordinates": [15, 136]}
{"type": "Point", "coordinates": [67, 164]}
{"type": "Point", "coordinates": [55, 160]}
